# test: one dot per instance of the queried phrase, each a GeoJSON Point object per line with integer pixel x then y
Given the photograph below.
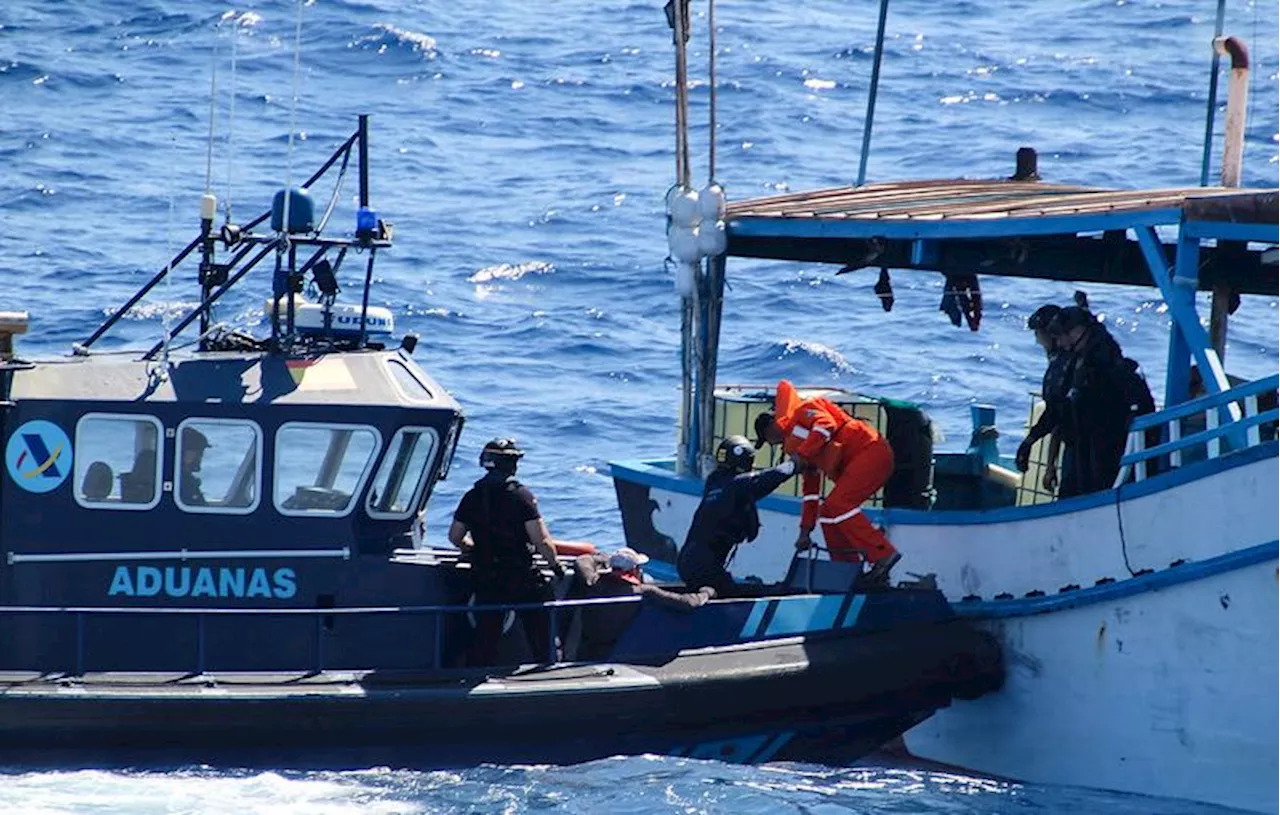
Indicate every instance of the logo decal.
{"type": "Point", "coordinates": [38, 456]}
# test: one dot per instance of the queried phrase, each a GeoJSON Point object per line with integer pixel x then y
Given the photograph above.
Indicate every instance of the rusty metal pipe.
{"type": "Point", "coordinates": [1237, 107]}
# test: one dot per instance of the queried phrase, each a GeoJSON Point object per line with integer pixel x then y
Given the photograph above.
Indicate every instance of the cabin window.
{"type": "Point", "coordinates": [116, 465]}
{"type": "Point", "coordinates": [409, 384]}
{"type": "Point", "coordinates": [397, 488]}
{"type": "Point", "coordinates": [320, 467]}
{"type": "Point", "coordinates": [450, 447]}
{"type": "Point", "coordinates": [218, 466]}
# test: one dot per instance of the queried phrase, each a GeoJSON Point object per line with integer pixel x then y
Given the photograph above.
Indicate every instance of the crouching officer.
{"type": "Point", "coordinates": [727, 516]}
{"type": "Point", "coordinates": [498, 523]}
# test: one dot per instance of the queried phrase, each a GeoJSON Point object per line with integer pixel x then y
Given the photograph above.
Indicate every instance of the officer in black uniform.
{"type": "Point", "coordinates": [727, 516]}
{"type": "Point", "coordinates": [498, 523]}
{"type": "Point", "coordinates": [1054, 418]}
{"type": "Point", "coordinates": [1105, 393]}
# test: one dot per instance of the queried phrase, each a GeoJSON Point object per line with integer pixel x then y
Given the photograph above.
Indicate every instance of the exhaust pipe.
{"type": "Point", "coordinates": [1237, 105]}
{"type": "Point", "coordinates": [1224, 299]}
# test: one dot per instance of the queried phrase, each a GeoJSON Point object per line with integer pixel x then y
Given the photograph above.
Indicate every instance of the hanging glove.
{"type": "Point", "coordinates": [884, 288]}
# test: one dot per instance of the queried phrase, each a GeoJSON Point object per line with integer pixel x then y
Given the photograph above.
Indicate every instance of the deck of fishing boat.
{"type": "Point", "coordinates": [1016, 228]}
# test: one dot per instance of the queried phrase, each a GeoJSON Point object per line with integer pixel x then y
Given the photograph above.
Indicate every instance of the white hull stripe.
{"type": "Point", "coordinates": [840, 518]}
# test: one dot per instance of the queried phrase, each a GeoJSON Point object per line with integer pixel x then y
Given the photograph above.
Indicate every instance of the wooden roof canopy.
{"type": "Point", "coordinates": [1012, 228]}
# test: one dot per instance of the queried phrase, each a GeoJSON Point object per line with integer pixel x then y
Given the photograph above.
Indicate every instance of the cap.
{"type": "Point", "coordinates": [627, 559]}
{"type": "Point", "coordinates": [192, 438]}
{"type": "Point", "coordinates": [763, 422]}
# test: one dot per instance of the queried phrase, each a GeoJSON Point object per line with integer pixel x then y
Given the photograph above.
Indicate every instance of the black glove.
{"type": "Point", "coordinates": [1023, 457]}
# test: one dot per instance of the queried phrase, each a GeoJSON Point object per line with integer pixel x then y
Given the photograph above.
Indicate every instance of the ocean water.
{"type": "Point", "coordinates": [522, 151]}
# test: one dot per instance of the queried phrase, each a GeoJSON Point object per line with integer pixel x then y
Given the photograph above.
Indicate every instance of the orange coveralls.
{"type": "Point", "coordinates": [849, 452]}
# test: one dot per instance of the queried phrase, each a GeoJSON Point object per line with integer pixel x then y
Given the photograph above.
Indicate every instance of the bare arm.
{"type": "Point", "coordinates": [677, 601]}
{"type": "Point", "coordinates": [541, 539]}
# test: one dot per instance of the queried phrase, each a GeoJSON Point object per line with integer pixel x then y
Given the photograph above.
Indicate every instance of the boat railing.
{"type": "Point", "coordinates": [200, 616]}
{"type": "Point", "coordinates": [1159, 441]}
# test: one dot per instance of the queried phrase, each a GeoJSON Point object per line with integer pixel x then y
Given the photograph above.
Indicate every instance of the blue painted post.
{"type": "Point", "coordinates": [319, 643]}
{"type": "Point", "coordinates": [79, 644]}
{"type": "Point", "coordinates": [199, 644]}
{"type": "Point", "coordinates": [871, 94]}
{"type": "Point", "coordinates": [1213, 98]}
{"type": "Point", "coordinates": [435, 659]}
{"type": "Point", "coordinates": [1186, 274]}
{"type": "Point", "coordinates": [551, 636]}
{"type": "Point", "coordinates": [1179, 291]}
{"type": "Point", "coordinates": [983, 446]}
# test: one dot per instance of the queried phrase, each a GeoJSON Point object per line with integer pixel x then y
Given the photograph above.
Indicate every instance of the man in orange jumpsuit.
{"type": "Point", "coordinates": [824, 440]}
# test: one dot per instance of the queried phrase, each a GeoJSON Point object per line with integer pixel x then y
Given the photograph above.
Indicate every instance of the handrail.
{"type": "Point", "coordinates": [1239, 433]}
{"type": "Point", "coordinates": [321, 617]}
{"type": "Point", "coordinates": [179, 554]}
{"type": "Point", "coordinates": [1203, 403]}
{"type": "Point", "coordinates": [1199, 438]}
{"type": "Point", "coordinates": [350, 610]}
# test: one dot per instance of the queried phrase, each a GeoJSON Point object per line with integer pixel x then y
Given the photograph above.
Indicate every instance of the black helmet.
{"type": "Point", "coordinates": [736, 453]}
{"type": "Point", "coordinates": [501, 454]}
{"type": "Point", "coordinates": [1042, 317]}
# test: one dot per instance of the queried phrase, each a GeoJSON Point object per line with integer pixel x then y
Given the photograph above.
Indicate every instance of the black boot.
{"type": "Point", "coordinates": [880, 571]}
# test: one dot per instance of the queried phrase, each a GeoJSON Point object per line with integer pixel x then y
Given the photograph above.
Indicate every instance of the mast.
{"type": "Point", "coordinates": [695, 233]}
{"type": "Point", "coordinates": [682, 206]}
{"type": "Point", "coordinates": [871, 94]}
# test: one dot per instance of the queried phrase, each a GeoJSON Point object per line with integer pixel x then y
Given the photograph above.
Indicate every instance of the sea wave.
{"type": "Point", "coordinates": [386, 37]}
{"type": "Point", "coordinates": [508, 272]}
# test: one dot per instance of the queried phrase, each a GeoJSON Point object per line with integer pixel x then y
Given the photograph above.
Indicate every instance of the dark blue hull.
{"type": "Point", "coordinates": [828, 697]}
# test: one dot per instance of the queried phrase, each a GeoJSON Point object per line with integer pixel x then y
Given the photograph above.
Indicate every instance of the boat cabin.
{"type": "Point", "coordinates": [277, 473]}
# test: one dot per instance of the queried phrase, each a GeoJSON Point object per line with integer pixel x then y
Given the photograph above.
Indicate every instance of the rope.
{"type": "Point", "coordinates": [1253, 74]}
{"type": "Point", "coordinates": [337, 190]}
{"type": "Point", "coordinates": [168, 269]}
{"type": "Point", "coordinates": [711, 76]}
{"type": "Point", "coordinates": [213, 108]}
{"type": "Point", "coordinates": [1207, 158]}
{"type": "Point", "coordinates": [293, 115]}
{"type": "Point", "coordinates": [682, 94]}
{"type": "Point", "coordinates": [871, 96]}
{"type": "Point", "coordinates": [231, 116]}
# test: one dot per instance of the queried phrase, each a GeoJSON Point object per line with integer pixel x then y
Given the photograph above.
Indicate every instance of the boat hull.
{"type": "Point", "coordinates": [810, 697]}
{"type": "Point", "coordinates": [1139, 624]}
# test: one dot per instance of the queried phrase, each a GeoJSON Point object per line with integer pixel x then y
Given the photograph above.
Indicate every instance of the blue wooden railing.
{"type": "Point", "coordinates": [1239, 431]}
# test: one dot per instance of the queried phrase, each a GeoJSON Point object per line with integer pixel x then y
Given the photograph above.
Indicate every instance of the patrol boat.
{"type": "Point", "coordinates": [1139, 622]}
{"type": "Point", "coordinates": [209, 556]}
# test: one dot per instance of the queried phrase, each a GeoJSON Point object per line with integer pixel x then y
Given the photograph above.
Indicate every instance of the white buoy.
{"type": "Point", "coordinates": [685, 273]}
{"type": "Point", "coordinates": [682, 243]}
{"type": "Point", "coordinates": [682, 207]}
{"type": "Point", "coordinates": [712, 239]}
{"type": "Point", "coordinates": [711, 203]}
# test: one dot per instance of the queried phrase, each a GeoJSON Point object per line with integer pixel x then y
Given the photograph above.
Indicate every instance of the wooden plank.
{"type": "Point", "coordinates": [961, 199]}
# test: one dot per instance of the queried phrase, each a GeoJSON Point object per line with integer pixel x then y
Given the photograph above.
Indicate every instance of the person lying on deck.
{"type": "Point", "coordinates": [598, 627]}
